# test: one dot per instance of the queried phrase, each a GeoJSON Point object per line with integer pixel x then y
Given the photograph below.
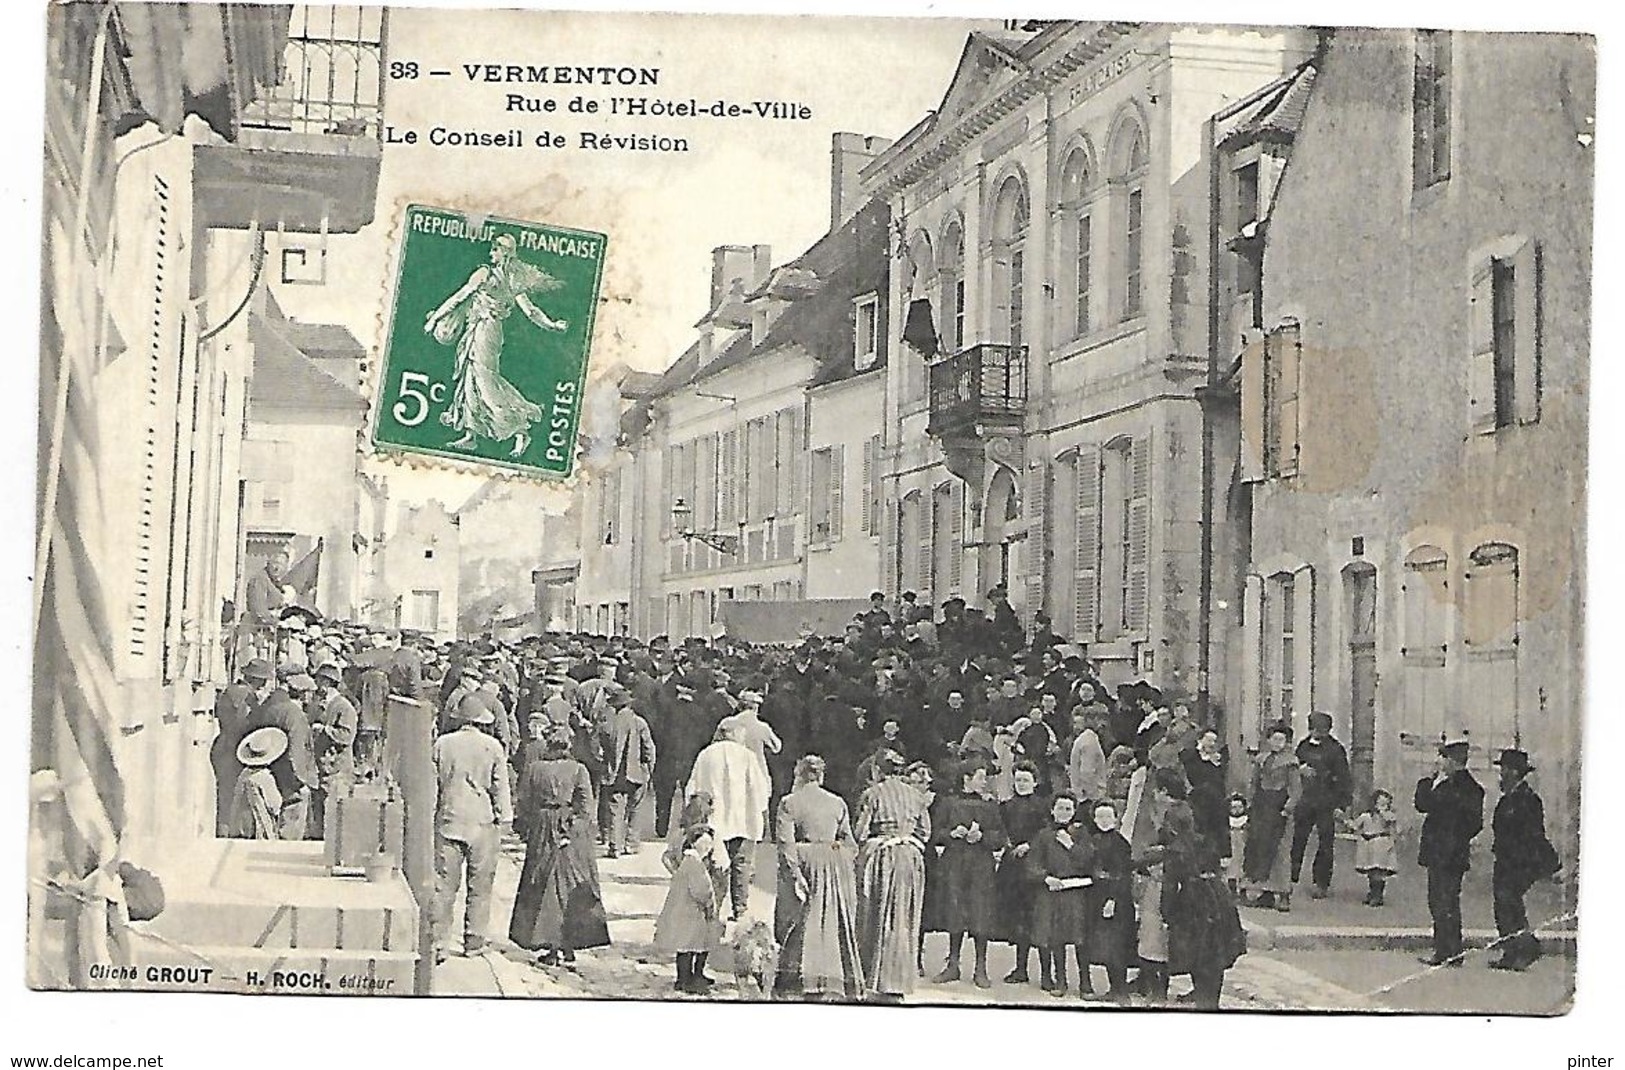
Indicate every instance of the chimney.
{"type": "Point", "coordinates": [747, 265]}
{"type": "Point", "coordinates": [848, 155]}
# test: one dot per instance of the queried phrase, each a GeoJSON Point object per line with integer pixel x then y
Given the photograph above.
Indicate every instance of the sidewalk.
{"type": "Point", "coordinates": [1344, 922]}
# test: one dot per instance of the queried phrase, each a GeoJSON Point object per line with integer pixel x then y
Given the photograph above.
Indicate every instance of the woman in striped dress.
{"type": "Point", "coordinates": [893, 827]}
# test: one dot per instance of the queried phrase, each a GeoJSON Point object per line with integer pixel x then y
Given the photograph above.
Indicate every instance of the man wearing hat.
{"type": "Point", "coordinates": [333, 726]}
{"type": "Point", "coordinates": [1327, 791]}
{"type": "Point", "coordinates": [1453, 804]}
{"type": "Point", "coordinates": [472, 803]}
{"type": "Point", "coordinates": [232, 709]}
{"type": "Point", "coordinates": [629, 765]}
{"type": "Point", "coordinates": [1523, 855]}
{"type": "Point", "coordinates": [256, 802]}
{"type": "Point", "coordinates": [295, 771]}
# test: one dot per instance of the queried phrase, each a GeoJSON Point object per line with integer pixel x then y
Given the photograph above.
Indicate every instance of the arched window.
{"type": "Point", "coordinates": [1076, 240]}
{"type": "Point", "coordinates": [1009, 259]}
{"type": "Point", "coordinates": [1130, 161]}
{"type": "Point", "coordinates": [951, 284]}
{"type": "Point", "coordinates": [922, 269]}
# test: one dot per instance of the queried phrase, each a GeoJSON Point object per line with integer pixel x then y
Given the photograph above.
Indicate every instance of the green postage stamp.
{"type": "Point", "coordinates": [488, 334]}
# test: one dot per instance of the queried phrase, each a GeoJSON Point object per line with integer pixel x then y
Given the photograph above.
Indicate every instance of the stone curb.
{"type": "Point", "coordinates": [1373, 938]}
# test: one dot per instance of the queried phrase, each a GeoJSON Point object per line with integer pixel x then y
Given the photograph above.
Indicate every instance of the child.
{"type": "Point", "coordinates": [1238, 841]}
{"type": "Point", "coordinates": [1062, 857]}
{"type": "Point", "coordinates": [689, 922]}
{"type": "Point", "coordinates": [1376, 855]}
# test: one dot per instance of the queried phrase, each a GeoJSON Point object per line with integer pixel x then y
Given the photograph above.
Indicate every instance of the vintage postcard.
{"type": "Point", "coordinates": [552, 504]}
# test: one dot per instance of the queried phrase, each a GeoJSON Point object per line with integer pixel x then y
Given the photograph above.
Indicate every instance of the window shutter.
{"type": "Point", "coordinates": [798, 457]}
{"type": "Point", "coordinates": [1252, 660]}
{"type": "Point", "coordinates": [706, 506]}
{"type": "Point", "coordinates": [1139, 535]}
{"type": "Point", "coordinates": [869, 519]}
{"type": "Point", "coordinates": [1001, 295]}
{"type": "Point", "coordinates": [1252, 411]}
{"type": "Point", "coordinates": [956, 536]}
{"type": "Point", "coordinates": [925, 549]}
{"type": "Point", "coordinates": [1289, 350]}
{"type": "Point", "coordinates": [1038, 546]}
{"type": "Point", "coordinates": [1303, 642]}
{"type": "Point", "coordinates": [837, 477]}
{"type": "Point", "coordinates": [1481, 359]}
{"type": "Point", "coordinates": [670, 466]}
{"type": "Point", "coordinates": [891, 566]}
{"type": "Point", "coordinates": [1526, 315]}
{"type": "Point", "coordinates": [726, 469]}
{"type": "Point", "coordinates": [1086, 546]}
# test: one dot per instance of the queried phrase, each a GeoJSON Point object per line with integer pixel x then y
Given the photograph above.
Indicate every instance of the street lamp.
{"type": "Point", "coordinates": [682, 513]}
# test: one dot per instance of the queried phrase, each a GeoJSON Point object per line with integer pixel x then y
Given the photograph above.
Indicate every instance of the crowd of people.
{"type": "Point", "coordinates": [956, 774]}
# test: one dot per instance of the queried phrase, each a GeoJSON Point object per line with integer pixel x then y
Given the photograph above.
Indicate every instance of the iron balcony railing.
{"type": "Point", "coordinates": [985, 384]}
{"type": "Point", "coordinates": [334, 74]}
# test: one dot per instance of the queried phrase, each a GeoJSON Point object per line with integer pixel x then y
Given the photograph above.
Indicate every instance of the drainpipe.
{"type": "Point", "coordinates": [1204, 666]}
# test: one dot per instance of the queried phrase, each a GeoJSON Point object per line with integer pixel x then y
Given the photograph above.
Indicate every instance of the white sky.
{"type": "Point", "coordinates": [743, 182]}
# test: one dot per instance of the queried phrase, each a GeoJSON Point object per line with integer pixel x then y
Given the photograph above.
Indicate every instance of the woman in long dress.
{"type": "Point", "coordinates": [894, 827]}
{"type": "Point", "coordinates": [558, 908]}
{"type": "Point", "coordinates": [483, 402]}
{"type": "Point", "coordinates": [815, 917]}
{"type": "Point", "coordinates": [1275, 789]}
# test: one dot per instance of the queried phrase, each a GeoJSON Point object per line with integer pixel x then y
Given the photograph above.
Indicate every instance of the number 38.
{"type": "Point", "coordinates": [410, 392]}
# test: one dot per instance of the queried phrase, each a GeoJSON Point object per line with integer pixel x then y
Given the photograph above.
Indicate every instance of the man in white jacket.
{"type": "Point", "coordinates": [730, 773]}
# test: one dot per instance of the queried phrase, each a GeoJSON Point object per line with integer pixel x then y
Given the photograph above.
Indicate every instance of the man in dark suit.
{"type": "Point", "coordinates": [1523, 855]}
{"type": "Point", "coordinates": [1327, 791]}
{"type": "Point", "coordinates": [295, 772]}
{"type": "Point", "coordinates": [629, 765]}
{"type": "Point", "coordinates": [1453, 804]}
{"type": "Point", "coordinates": [231, 713]}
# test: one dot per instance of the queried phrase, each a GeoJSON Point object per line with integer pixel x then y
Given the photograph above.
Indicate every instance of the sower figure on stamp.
{"type": "Point", "coordinates": [472, 803]}
{"type": "Point", "coordinates": [1523, 855]}
{"type": "Point", "coordinates": [482, 401]}
{"type": "Point", "coordinates": [1453, 804]}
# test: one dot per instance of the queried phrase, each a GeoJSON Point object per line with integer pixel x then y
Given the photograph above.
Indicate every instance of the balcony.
{"type": "Point", "coordinates": [978, 391]}
{"type": "Point", "coordinates": [307, 151]}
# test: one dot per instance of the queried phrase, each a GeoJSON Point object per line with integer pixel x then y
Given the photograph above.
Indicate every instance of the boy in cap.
{"type": "Point", "coordinates": [1453, 804]}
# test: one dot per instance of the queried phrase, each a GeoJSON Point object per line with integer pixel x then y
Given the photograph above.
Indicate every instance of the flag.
{"type": "Point", "coordinates": [76, 695]}
{"type": "Point", "coordinates": [304, 575]}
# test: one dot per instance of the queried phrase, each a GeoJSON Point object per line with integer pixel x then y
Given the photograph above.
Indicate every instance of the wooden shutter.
{"type": "Point", "coordinates": [1289, 351]}
{"type": "Point", "coordinates": [705, 506]}
{"type": "Point", "coordinates": [930, 513]}
{"type": "Point", "coordinates": [1000, 311]}
{"type": "Point", "coordinates": [727, 470]}
{"type": "Point", "coordinates": [1252, 411]}
{"type": "Point", "coordinates": [1136, 611]}
{"type": "Point", "coordinates": [1252, 662]}
{"type": "Point", "coordinates": [669, 463]}
{"type": "Point", "coordinates": [890, 551]}
{"type": "Point", "coordinates": [869, 519]}
{"type": "Point", "coordinates": [1086, 545]}
{"type": "Point", "coordinates": [1481, 357]}
{"type": "Point", "coordinates": [1303, 642]}
{"type": "Point", "coordinates": [1526, 282]}
{"type": "Point", "coordinates": [798, 457]}
{"type": "Point", "coordinates": [837, 479]}
{"type": "Point", "coordinates": [956, 535]}
{"type": "Point", "coordinates": [1036, 504]}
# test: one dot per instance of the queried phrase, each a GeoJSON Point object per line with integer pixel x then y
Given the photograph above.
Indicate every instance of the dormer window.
{"type": "Point", "coordinates": [865, 331]}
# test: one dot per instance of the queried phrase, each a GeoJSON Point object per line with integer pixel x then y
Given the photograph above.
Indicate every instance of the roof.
{"type": "Point", "coordinates": [284, 377]}
{"type": "Point", "coordinates": [1277, 110]}
{"type": "Point", "coordinates": [845, 264]}
{"type": "Point", "coordinates": [323, 339]}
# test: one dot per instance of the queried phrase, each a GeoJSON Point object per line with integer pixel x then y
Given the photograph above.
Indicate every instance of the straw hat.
{"type": "Point", "coordinates": [262, 746]}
